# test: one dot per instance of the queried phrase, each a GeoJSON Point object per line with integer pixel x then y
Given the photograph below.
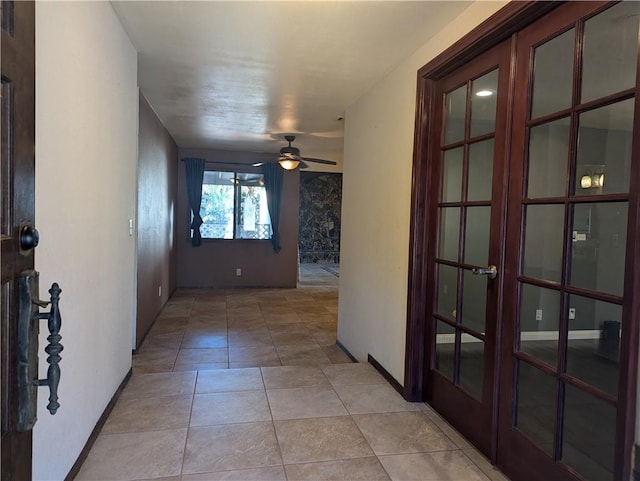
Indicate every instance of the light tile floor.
{"type": "Point", "coordinates": [249, 385]}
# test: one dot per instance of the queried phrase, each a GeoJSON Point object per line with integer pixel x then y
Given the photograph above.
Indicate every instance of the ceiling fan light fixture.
{"type": "Point", "coordinates": [289, 164]}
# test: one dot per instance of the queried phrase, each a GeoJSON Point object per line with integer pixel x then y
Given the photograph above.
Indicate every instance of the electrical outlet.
{"type": "Point", "coordinates": [238, 272]}
{"type": "Point", "coordinates": [572, 313]}
{"type": "Point", "coordinates": [538, 314]}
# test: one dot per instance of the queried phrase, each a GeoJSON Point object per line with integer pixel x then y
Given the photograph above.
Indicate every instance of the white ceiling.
{"type": "Point", "coordinates": [239, 75]}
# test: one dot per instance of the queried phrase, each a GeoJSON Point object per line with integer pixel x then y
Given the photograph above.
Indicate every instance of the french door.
{"type": "Point", "coordinates": [530, 247]}
{"type": "Point", "coordinates": [572, 212]}
{"type": "Point", "coordinates": [468, 217]}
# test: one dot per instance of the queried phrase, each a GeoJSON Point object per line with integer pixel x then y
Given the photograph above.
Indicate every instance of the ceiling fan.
{"type": "Point", "coordinates": [290, 158]}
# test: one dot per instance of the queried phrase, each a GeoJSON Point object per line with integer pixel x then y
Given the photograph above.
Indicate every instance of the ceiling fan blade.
{"type": "Point", "coordinates": [221, 162]}
{"type": "Point", "coordinates": [319, 161]}
{"type": "Point", "coordinates": [303, 165]}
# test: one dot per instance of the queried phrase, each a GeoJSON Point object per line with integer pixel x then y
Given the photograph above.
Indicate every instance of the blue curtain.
{"type": "Point", "coordinates": [273, 178]}
{"type": "Point", "coordinates": [195, 174]}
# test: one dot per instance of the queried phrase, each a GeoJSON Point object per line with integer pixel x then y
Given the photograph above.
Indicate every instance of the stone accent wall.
{"type": "Point", "coordinates": [319, 228]}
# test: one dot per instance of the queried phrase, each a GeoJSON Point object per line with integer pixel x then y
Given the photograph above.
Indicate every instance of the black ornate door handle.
{"type": "Point", "coordinates": [54, 348]}
{"type": "Point", "coordinates": [28, 331]}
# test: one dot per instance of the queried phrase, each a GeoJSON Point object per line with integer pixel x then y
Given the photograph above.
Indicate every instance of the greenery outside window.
{"type": "Point", "coordinates": [234, 206]}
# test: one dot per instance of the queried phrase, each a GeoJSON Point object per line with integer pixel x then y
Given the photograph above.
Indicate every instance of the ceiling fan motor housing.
{"type": "Point", "coordinates": [290, 150]}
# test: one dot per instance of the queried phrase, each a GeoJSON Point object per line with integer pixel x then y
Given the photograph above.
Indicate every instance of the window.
{"type": "Point", "coordinates": [234, 206]}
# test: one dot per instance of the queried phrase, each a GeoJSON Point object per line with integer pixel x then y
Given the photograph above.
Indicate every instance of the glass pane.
{"type": "Point", "coordinates": [610, 45]}
{"type": "Point", "coordinates": [594, 342]}
{"type": "Point", "coordinates": [589, 435]}
{"type": "Point", "coordinates": [455, 108]}
{"type": "Point", "coordinates": [553, 75]}
{"type": "Point", "coordinates": [445, 348]}
{"type": "Point", "coordinates": [474, 301]}
{"type": "Point", "coordinates": [480, 170]}
{"type": "Point", "coordinates": [253, 221]}
{"type": "Point", "coordinates": [599, 235]}
{"type": "Point", "coordinates": [452, 175]}
{"type": "Point", "coordinates": [471, 365]}
{"type": "Point", "coordinates": [536, 405]}
{"type": "Point", "coordinates": [548, 154]}
{"type": "Point", "coordinates": [484, 96]}
{"type": "Point", "coordinates": [539, 320]}
{"type": "Point", "coordinates": [476, 241]}
{"type": "Point", "coordinates": [449, 233]}
{"type": "Point", "coordinates": [604, 149]}
{"type": "Point", "coordinates": [544, 227]}
{"type": "Point", "coordinates": [216, 209]}
{"type": "Point", "coordinates": [447, 291]}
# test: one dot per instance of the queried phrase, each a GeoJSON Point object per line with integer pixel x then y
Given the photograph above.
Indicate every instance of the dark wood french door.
{"type": "Point", "coordinates": [534, 356]}
{"type": "Point", "coordinates": [17, 124]}
{"type": "Point", "coordinates": [468, 203]}
{"type": "Point", "coordinates": [571, 350]}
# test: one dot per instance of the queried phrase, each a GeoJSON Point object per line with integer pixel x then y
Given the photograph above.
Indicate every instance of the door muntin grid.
{"type": "Point", "coordinates": [570, 287]}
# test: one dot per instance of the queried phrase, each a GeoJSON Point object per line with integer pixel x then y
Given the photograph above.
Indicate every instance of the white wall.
{"type": "Point", "coordinates": [86, 141]}
{"type": "Point", "coordinates": [376, 204]}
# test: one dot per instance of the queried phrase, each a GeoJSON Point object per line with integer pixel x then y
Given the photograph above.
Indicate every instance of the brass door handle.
{"type": "Point", "coordinates": [491, 272]}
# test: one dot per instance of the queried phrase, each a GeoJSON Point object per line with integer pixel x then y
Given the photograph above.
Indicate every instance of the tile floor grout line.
{"type": "Point", "coordinates": [462, 451]}
{"type": "Point", "coordinates": [273, 424]}
{"type": "Point", "coordinates": [186, 438]}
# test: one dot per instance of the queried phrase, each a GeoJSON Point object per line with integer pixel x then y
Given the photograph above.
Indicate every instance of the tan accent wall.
{"type": "Point", "coordinates": [214, 263]}
{"type": "Point", "coordinates": [156, 249]}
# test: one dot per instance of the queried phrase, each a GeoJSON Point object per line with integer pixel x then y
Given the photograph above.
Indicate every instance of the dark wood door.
{"type": "Point", "coordinates": [465, 261]}
{"type": "Point", "coordinates": [17, 177]}
{"type": "Point", "coordinates": [570, 348]}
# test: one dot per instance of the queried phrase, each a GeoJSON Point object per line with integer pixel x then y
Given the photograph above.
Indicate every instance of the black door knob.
{"type": "Point", "coordinates": [29, 237]}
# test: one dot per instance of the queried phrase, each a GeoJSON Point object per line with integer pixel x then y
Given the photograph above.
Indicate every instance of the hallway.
{"type": "Point", "coordinates": [249, 384]}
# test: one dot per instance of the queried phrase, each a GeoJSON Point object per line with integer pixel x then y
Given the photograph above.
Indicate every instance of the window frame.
{"type": "Point", "coordinates": [237, 193]}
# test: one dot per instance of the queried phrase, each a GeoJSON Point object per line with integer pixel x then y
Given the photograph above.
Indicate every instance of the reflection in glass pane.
{"type": "Point", "coordinates": [480, 170]}
{"type": "Point", "coordinates": [610, 45]}
{"type": "Point", "coordinates": [476, 241]}
{"type": "Point", "coordinates": [544, 227]}
{"type": "Point", "coordinates": [594, 342]}
{"type": "Point", "coordinates": [604, 149]}
{"type": "Point", "coordinates": [447, 291]}
{"type": "Point", "coordinates": [539, 320]}
{"type": "Point", "coordinates": [452, 175]}
{"type": "Point", "coordinates": [484, 96]}
{"type": "Point", "coordinates": [449, 233]}
{"type": "Point", "coordinates": [445, 348]}
{"type": "Point", "coordinates": [599, 235]}
{"type": "Point", "coordinates": [455, 108]}
{"type": "Point", "coordinates": [548, 154]}
{"type": "Point", "coordinates": [474, 301]}
{"type": "Point", "coordinates": [553, 75]}
{"type": "Point", "coordinates": [589, 435]}
{"type": "Point", "coordinates": [536, 407]}
{"type": "Point", "coordinates": [471, 365]}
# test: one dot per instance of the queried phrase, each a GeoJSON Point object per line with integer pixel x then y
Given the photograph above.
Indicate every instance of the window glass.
{"type": "Point", "coordinates": [548, 154]}
{"type": "Point", "coordinates": [610, 45]}
{"type": "Point", "coordinates": [484, 100]}
{"type": "Point", "coordinates": [553, 75]}
{"type": "Point", "coordinates": [234, 206]}
{"type": "Point", "coordinates": [604, 149]}
{"type": "Point", "coordinates": [455, 109]}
